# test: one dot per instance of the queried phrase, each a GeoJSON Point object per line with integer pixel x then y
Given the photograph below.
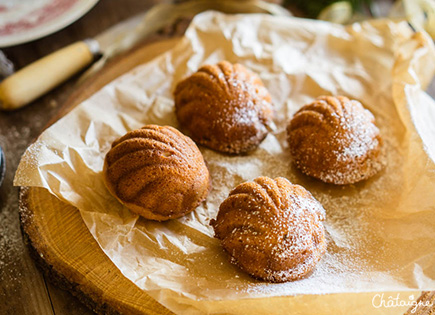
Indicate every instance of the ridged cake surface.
{"type": "Point", "coordinates": [224, 107]}
{"type": "Point", "coordinates": [272, 229]}
{"type": "Point", "coordinates": [335, 139]}
{"type": "Point", "coordinates": [157, 172]}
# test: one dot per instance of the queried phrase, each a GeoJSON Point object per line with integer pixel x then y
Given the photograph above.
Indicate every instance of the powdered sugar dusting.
{"type": "Point", "coordinates": [335, 139]}
{"type": "Point", "coordinates": [224, 107]}
{"type": "Point", "coordinates": [272, 229]}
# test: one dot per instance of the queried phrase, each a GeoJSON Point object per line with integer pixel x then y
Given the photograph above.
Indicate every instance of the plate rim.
{"type": "Point", "coordinates": [60, 22]}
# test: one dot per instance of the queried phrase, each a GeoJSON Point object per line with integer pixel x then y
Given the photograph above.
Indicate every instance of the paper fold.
{"type": "Point", "coordinates": [380, 232]}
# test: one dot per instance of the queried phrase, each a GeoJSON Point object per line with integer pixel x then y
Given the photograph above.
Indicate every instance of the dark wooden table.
{"type": "Point", "coordinates": [23, 289]}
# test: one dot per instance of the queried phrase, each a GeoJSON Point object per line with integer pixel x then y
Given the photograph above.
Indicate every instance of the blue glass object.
{"type": "Point", "coordinates": [2, 166]}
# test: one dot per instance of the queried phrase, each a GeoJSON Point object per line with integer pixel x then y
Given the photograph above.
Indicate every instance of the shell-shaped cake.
{"type": "Point", "coordinates": [157, 172]}
{"type": "Point", "coordinates": [335, 139]}
{"type": "Point", "coordinates": [272, 229]}
{"type": "Point", "coordinates": [224, 107]}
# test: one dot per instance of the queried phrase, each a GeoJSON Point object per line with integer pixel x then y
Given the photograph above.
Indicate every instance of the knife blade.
{"type": "Point", "coordinates": [165, 14]}
{"type": "Point", "coordinates": [43, 75]}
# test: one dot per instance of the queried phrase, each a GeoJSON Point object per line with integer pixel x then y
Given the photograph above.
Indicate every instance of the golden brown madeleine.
{"type": "Point", "coordinates": [335, 140]}
{"type": "Point", "coordinates": [272, 229]}
{"type": "Point", "coordinates": [224, 107]}
{"type": "Point", "coordinates": [157, 172]}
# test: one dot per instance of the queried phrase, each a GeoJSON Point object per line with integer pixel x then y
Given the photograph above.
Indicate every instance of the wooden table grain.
{"type": "Point", "coordinates": [23, 289]}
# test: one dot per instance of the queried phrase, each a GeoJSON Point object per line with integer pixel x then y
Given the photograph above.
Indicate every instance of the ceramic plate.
{"type": "Point", "coordinates": [25, 20]}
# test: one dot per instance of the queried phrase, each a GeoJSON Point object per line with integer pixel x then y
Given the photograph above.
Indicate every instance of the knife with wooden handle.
{"type": "Point", "coordinates": [43, 75]}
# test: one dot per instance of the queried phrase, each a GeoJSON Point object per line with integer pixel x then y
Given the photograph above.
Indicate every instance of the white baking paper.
{"type": "Point", "coordinates": [380, 232]}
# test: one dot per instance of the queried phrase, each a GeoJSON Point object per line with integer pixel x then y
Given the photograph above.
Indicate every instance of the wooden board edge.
{"type": "Point", "coordinates": [55, 264]}
{"type": "Point", "coordinates": [50, 271]}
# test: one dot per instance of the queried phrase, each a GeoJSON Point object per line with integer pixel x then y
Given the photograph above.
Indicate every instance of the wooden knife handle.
{"type": "Point", "coordinates": [41, 76]}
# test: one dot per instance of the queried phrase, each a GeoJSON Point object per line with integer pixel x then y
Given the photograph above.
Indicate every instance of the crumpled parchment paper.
{"type": "Point", "coordinates": [380, 232]}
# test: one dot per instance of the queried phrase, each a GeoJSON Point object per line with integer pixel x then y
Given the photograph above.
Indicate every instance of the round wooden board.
{"type": "Point", "coordinates": [63, 246]}
{"type": "Point", "coordinates": [57, 236]}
